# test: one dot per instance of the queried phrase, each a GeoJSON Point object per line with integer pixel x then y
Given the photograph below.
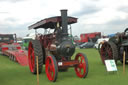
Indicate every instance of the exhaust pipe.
{"type": "Point", "coordinates": [64, 22]}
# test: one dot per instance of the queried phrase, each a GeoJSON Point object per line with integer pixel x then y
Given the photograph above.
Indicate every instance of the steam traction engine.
{"type": "Point", "coordinates": [55, 49]}
{"type": "Point", "coordinates": [114, 48]}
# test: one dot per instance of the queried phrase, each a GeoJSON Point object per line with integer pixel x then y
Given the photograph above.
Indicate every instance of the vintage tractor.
{"type": "Point", "coordinates": [55, 49]}
{"type": "Point", "coordinates": [12, 49]}
{"type": "Point", "coordinates": [114, 48]}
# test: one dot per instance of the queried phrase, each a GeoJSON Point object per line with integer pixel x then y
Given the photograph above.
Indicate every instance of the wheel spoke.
{"type": "Point", "coordinates": [51, 67]}
{"type": "Point", "coordinates": [80, 59]}
{"type": "Point", "coordinates": [80, 70]}
{"type": "Point", "coordinates": [109, 51]}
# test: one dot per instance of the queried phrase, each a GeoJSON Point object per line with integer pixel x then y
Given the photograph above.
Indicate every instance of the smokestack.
{"type": "Point", "coordinates": [64, 21]}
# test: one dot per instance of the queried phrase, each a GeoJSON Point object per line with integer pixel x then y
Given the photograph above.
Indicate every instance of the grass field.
{"type": "Point", "coordinates": [12, 73]}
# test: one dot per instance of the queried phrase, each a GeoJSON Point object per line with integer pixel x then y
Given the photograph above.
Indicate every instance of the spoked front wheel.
{"type": "Point", "coordinates": [51, 68]}
{"type": "Point", "coordinates": [82, 68]}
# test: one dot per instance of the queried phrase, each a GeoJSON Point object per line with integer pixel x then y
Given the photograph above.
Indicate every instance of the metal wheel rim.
{"type": "Point", "coordinates": [81, 66]}
{"type": "Point", "coordinates": [50, 68]}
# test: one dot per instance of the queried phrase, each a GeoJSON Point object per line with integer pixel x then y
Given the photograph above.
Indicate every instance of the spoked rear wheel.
{"type": "Point", "coordinates": [51, 68]}
{"type": "Point", "coordinates": [34, 50]}
{"type": "Point", "coordinates": [81, 69]}
{"type": "Point", "coordinates": [108, 51]}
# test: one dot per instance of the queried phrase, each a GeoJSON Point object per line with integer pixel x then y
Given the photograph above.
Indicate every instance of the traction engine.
{"type": "Point", "coordinates": [115, 47]}
{"type": "Point", "coordinates": [55, 49]}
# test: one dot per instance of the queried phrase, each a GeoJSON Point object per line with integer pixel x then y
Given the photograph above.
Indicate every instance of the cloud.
{"type": "Point", "coordinates": [85, 10]}
{"type": "Point", "coordinates": [107, 16]}
{"type": "Point", "coordinates": [103, 28]}
{"type": "Point", "coordinates": [20, 30]}
{"type": "Point", "coordinates": [13, 1]}
{"type": "Point", "coordinates": [118, 21]}
{"type": "Point", "coordinates": [10, 19]}
{"type": "Point", "coordinates": [123, 9]}
{"type": "Point", "coordinates": [113, 26]}
{"type": "Point", "coordinates": [3, 12]}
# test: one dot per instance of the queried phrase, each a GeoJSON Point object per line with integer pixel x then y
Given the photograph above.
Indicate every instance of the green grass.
{"type": "Point", "coordinates": [12, 73]}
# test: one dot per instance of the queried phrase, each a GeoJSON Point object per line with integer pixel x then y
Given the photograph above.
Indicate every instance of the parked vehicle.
{"type": "Point", "coordinates": [87, 45]}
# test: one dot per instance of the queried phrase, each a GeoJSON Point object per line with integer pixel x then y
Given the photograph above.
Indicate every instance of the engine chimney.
{"type": "Point", "coordinates": [64, 22]}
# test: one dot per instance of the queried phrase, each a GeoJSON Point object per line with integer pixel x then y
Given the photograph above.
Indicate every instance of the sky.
{"type": "Point", "coordinates": [105, 16]}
